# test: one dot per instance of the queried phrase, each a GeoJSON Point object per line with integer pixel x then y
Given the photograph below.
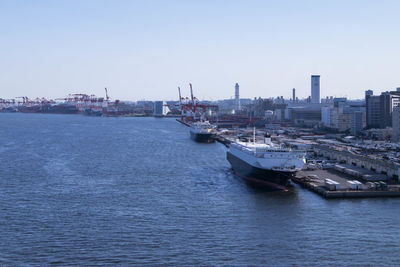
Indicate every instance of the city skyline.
{"type": "Point", "coordinates": [146, 50]}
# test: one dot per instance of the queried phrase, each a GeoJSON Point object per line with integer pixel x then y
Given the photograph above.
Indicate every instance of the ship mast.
{"type": "Point", "coordinates": [254, 135]}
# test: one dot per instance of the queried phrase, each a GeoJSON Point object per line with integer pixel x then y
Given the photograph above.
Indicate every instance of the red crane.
{"type": "Point", "coordinates": [193, 106]}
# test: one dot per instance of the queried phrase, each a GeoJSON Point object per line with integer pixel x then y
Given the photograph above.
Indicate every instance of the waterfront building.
{"type": "Point", "coordinates": [305, 115]}
{"type": "Point", "coordinates": [339, 115]}
{"type": "Point", "coordinates": [373, 113]}
{"type": "Point", "coordinates": [315, 89]}
{"type": "Point", "coordinates": [160, 108]}
{"type": "Point", "coordinates": [330, 117]}
{"type": "Point", "coordinates": [279, 114]}
{"type": "Point", "coordinates": [396, 124]}
{"type": "Point", "coordinates": [380, 108]}
{"type": "Point", "coordinates": [388, 101]}
{"type": "Point", "coordinates": [343, 121]}
{"type": "Point", "coordinates": [379, 134]}
{"type": "Point", "coordinates": [326, 116]}
{"type": "Point", "coordinates": [357, 122]}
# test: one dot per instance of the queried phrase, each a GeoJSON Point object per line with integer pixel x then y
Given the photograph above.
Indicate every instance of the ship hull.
{"type": "Point", "coordinates": [266, 179]}
{"type": "Point", "coordinates": [93, 113]}
{"type": "Point", "coordinates": [201, 138]}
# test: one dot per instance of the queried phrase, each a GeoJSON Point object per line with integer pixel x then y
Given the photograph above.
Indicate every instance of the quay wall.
{"type": "Point", "coordinates": [392, 170]}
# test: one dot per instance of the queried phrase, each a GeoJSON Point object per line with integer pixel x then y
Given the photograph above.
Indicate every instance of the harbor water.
{"type": "Point", "coordinates": [122, 191]}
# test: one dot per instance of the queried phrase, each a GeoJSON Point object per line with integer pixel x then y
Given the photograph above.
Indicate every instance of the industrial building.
{"type": "Point", "coordinates": [346, 156]}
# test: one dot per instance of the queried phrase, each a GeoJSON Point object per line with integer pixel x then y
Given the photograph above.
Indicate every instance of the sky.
{"type": "Point", "coordinates": [146, 49]}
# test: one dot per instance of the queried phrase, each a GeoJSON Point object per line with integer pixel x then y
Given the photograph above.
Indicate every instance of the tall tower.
{"type": "Point", "coordinates": [237, 99]}
{"type": "Point", "coordinates": [315, 97]}
{"type": "Point", "coordinates": [294, 95]}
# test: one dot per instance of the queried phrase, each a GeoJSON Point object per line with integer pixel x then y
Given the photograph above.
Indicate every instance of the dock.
{"type": "Point", "coordinates": [225, 141]}
{"type": "Point", "coordinates": [217, 137]}
{"type": "Point", "coordinates": [332, 180]}
{"type": "Point", "coordinates": [183, 122]}
{"type": "Point", "coordinates": [332, 184]}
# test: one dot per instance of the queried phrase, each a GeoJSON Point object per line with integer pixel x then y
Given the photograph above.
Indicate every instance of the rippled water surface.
{"type": "Point", "coordinates": [116, 191]}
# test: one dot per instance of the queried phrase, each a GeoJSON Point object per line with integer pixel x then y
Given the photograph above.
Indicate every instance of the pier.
{"type": "Point", "coordinates": [183, 122]}
{"type": "Point", "coordinates": [332, 184]}
{"type": "Point", "coordinates": [333, 180]}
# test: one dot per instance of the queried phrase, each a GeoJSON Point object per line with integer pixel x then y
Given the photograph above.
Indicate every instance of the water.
{"type": "Point", "coordinates": [120, 191]}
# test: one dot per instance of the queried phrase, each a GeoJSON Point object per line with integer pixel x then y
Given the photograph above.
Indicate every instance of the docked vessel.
{"type": "Point", "coordinates": [201, 131]}
{"type": "Point", "coordinates": [92, 112]}
{"type": "Point", "coordinates": [60, 109]}
{"type": "Point", "coordinates": [265, 164]}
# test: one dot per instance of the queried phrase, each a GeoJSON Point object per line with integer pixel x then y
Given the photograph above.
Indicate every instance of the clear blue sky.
{"type": "Point", "coordinates": [145, 49]}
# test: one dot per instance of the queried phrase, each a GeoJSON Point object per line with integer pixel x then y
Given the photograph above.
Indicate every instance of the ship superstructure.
{"type": "Point", "coordinates": [202, 132]}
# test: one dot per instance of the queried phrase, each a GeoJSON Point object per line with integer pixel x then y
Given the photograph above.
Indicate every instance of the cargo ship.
{"type": "Point", "coordinates": [52, 109]}
{"type": "Point", "coordinates": [60, 109]}
{"type": "Point", "coordinates": [201, 132]}
{"type": "Point", "coordinates": [265, 165]}
{"type": "Point", "coordinates": [92, 112]}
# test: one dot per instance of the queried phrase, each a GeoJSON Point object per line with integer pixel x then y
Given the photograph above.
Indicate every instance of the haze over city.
{"type": "Point", "coordinates": [145, 49]}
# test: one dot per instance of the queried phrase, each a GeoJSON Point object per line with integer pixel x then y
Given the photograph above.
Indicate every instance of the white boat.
{"type": "Point", "coordinates": [265, 164]}
{"type": "Point", "coordinates": [202, 132]}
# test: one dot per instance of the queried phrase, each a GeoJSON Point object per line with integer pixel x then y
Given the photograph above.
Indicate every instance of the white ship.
{"type": "Point", "coordinates": [265, 164]}
{"type": "Point", "coordinates": [202, 132]}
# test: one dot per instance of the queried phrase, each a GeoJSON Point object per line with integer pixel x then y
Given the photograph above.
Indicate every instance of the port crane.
{"type": "Point", "coordinates": [193, 109]}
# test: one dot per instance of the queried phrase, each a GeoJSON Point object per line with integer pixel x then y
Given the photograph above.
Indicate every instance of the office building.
{"type": "Point", "coordinates": [373, 112]}
{"type": "Point", "coordinates": [315, 89]}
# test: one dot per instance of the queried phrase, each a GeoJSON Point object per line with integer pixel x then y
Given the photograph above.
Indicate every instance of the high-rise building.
{"type": "Point", "coordinates": [380, 108]}
{"type": "Point", "coordinates": [315, 89]}
{"type": "Point", "coordinates": [237, 98]}
{"type": "Point", "coordinates": [373, 112]}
